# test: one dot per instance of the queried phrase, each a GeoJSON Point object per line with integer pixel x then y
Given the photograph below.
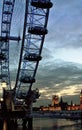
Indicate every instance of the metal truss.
{"type": "Point", "coordinates": [7, 11]}
{"type": "Point", "coordinates": [35, 29]}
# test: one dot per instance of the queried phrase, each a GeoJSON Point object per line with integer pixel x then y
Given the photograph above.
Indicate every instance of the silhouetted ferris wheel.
{"type": "Point", "coordinates": [34, 31]}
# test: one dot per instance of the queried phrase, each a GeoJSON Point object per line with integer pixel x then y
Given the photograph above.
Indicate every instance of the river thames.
{"type": "Point", "coordinates": [49, 124]}
{"type": "Point", "coordinates": [55, 124]}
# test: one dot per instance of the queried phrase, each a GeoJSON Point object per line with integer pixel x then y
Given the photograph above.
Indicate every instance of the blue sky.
{"type": "Point", "coordinates": [60, 71]}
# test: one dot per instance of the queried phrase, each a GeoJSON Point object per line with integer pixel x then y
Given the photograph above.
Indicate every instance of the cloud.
{"type": "Point", "coordinates": [55, 76]}
{"type": "Point", "coordinates": [66, 27]}
{"type": "Point", "coordinates": [60, 78]}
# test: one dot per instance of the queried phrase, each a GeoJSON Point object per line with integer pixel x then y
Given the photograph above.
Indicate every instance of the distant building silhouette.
{"type": "Point", "coordinates": [61, 105]}
{"type": "Point", "coordinates": [55, 100]}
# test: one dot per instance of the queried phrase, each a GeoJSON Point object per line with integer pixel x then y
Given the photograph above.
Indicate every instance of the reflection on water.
{"type": "Point", "coordinates": [46, 124]}
{"type": "Point", "coordinates": [55, 124]}
{"type": "Point", "coordinates": [4, 125]}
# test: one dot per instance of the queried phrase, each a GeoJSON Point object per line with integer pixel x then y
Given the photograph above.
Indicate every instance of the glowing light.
{"type": "Point", "coordinates": [5, 125]}
{"type": "Point", "coordinates": [1, 99]}
{"type": "Point", "coordinates": [4, 84]}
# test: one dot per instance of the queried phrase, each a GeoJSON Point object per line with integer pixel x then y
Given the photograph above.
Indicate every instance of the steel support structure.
{"type": "Point", "coordinates": [35, 29]}
{"type": "Point", "coordinates": [7, 11]}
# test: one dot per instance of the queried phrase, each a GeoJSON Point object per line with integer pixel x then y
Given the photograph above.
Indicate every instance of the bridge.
{"type": "Point", "coordinates": [17, 102]}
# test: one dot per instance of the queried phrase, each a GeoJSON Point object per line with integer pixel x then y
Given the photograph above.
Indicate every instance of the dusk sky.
{"type": "Point", "coordinates": [60, 71]}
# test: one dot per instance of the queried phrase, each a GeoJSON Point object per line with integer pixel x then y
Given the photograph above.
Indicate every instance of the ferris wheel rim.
{"type": "Point", "coordinates": [46, 15]}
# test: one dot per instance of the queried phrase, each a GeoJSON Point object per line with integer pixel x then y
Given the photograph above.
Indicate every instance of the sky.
{"type": "Point", "coordinates": [60, 71]}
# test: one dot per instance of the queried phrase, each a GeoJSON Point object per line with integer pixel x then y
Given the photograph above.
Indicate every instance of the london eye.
{"type": "Point", "coordinates": [32, 40]}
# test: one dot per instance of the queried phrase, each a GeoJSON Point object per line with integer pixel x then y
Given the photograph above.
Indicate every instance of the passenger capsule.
{"type": "Point", "coordinates": [27, 79]}
{"type": "Point", "coordinates": [37, 30]}
{"type": "Point", "coordinates": [42, 4]}
{"type": "Point", "coordinates": [32, 57]}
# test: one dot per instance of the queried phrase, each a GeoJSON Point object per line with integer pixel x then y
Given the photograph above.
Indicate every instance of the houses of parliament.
{"type": "Point", "coordinates": [61, 105]}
